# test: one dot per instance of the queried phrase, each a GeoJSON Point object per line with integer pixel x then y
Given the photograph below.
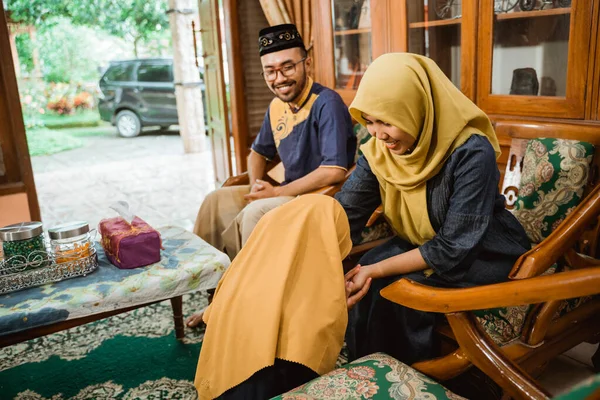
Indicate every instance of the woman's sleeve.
{"type": "Point", "coordinates": [359, 197]}
{"type": "Point", "coordinates": [470, 211]}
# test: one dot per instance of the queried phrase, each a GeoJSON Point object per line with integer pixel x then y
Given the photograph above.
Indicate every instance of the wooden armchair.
{"type": "Point", "coordinates": [506, 368]}
{"type": "Point", "coordinates": [516, 319]}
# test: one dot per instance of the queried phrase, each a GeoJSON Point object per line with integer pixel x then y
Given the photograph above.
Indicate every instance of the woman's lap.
{"type": "Point", "coordinates": [377, 324]}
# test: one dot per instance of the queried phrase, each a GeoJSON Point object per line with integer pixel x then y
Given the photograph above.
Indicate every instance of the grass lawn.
{"type": "Point", "coordinates": [84, 118]}
{"type": "Point", "coordinates": [66, 132]}
{"type": "Point", "coordinates": [44, 141]}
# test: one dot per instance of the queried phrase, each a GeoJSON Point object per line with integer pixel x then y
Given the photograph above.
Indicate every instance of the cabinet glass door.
{"type": "Point", "coordinates": [534, 57]}
{"type": "Point", "coordinates": [352, 41]}
{"type": "Point", "coordinates": [531, 47]}
{"type": "Point", "coordinates": [434, 30]}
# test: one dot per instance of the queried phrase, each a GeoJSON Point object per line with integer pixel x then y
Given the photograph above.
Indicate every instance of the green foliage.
{"type": "Point", "coordinates": [25, 50]}
{"type": "Point", "coordinates": [86, 118]}
{"type": "Point", "coordinates": [66, 52]}
{"type": "Point", "coordinates": [133, 20]}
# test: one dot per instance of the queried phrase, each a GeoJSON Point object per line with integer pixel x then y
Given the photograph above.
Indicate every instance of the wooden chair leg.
{"type": "Point", "coordinates": [177, 306]}
{"type": "Point", "coordinates": [487, 356]}
{"type": "Point", "coordinates": [446, 367]}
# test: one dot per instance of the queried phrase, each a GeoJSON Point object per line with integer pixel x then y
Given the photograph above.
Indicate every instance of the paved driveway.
{"type": "Point", "coordinates": [150, 171]}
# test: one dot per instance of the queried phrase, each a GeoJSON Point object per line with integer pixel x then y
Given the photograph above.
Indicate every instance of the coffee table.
{"type": "Point", "coordinates": [187, 264]}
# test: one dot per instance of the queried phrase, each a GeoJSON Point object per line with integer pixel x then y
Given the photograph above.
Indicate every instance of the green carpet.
{"type": "Point", "coordinates": [128, 356]}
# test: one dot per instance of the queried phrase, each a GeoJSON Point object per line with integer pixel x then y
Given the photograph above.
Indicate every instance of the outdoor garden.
{"type": "Point", "coordinates": [63, 48]}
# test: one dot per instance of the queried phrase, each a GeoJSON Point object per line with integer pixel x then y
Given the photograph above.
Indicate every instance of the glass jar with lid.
{"type": "Point", "coordinates": [70, 242]}
{"type": "Point", "coordinates": [23, 246]}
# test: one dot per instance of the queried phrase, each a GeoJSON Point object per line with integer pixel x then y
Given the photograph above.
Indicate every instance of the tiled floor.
{"type": "Point", "coordinates": [166, 187]}
{"type": "Point", "coordinates": [151, 172]}
{"type": "Point", "coordinates": [569, 369]}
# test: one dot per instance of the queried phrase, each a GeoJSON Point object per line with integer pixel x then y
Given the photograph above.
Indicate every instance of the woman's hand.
{"type": "Point", "coordinates": [358, 282]}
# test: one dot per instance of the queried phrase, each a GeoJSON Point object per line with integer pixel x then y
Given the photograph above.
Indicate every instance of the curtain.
{"type": "Point", "coordinates": [290, 12]}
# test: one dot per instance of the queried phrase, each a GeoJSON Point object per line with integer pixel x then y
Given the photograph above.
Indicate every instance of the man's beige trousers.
{"type": "Point", "coordinates": [226, 220]}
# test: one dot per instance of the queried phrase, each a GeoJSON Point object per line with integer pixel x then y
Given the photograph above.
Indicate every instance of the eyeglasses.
{"type": "Point", "coordinates": [287, 70]}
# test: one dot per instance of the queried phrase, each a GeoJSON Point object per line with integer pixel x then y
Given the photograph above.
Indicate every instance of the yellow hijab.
{"type": "Point", "coordinates": [282, 297]}
{"type": "Point", "coordinates": [410, 92]}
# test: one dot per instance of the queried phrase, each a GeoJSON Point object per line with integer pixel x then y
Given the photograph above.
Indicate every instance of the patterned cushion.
{"type": "Point", "coordinates": [582, 390]}
{"type": "Point", "coordinates": [379, 230]}
{"type": "Point", "coordinates": [505, 324]}
{"type": "Point", "coordinates": [377, 376]}
{"type": "Point", "coordinates": [362, 137]}
{"type": "Point", "coordinates": [570, 304]}
{"type": "Point", "coordinates": [555, 172]}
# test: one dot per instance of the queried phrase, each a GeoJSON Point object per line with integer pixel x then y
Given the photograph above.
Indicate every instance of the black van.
{"type": "Point", "coordinates": [138, 93]}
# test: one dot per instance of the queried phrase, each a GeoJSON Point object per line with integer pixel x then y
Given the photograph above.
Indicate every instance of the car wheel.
{"type": "Point", "coordinates": [128, 124]}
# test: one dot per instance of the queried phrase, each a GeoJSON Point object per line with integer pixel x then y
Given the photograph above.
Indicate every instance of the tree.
{"type": "Point", "coordinates": [133, 20]}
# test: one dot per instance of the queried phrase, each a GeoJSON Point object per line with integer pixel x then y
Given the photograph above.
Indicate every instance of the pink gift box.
{"type": "Point", "coordinates": [130, 245]}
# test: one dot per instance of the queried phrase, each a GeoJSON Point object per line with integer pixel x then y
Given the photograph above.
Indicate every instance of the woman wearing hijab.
{"type": "Point", "coordinates": [432, 165]}
{"type": "Point", "coordinates": [279, 313]}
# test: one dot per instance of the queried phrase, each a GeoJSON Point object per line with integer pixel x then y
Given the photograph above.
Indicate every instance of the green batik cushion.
{"type": "Point", "coordinates": [362, 137]}
{"type": "Point", "coordinates": [555, 172]}
{"type": "Point", "coordinates": [377, 376]}
{"type": "Point", "coordinates": [379, 230]}
{"type": "Point", "coordinates": [582, 390]}
{"type": "Point", "coordinates": [570, 304]}
{"type": "Point", "coordinates": [505, 324]}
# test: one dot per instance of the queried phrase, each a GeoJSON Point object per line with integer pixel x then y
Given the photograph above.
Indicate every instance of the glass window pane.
{"type": "Point", "coordinates": [531, 46]}
{"type": "Point", "coordinates": [352, 23]}
{"type": "Point", "coordinates": [154, 73]}
{"type": "Point", "coordinates": [434, 30]}
{"type": "Point", "coordinates": [119, 73]}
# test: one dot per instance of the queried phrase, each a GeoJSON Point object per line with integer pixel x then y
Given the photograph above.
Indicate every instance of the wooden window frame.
{"type": "Point", "coordinates": [13, 141]}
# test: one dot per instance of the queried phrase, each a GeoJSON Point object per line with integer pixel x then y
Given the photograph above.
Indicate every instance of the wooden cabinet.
{"type": "Point", "coordinates": [517, 58]}
{"type": "Point", "coordinates": [348, 35]}
{"type": "Point", "coordinates": [445, 32]}
{"type": "Point", "coordinates": [534, 62]}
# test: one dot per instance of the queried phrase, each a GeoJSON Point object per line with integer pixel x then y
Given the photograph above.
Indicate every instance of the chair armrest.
{"type": "Point", "coordinates": [559, 286]}
{"type": "Point", "coordinates": [244, 178]}
{"type": "Point", "coordinates": [238, 180]}
{"type": "Point", "coordinates": [375, 216]}
{"type": "Point", "coordinates": [542, 256]}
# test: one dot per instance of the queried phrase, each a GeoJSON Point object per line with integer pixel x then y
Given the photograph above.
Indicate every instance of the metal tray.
{"type": "Point", "coordinates": [23, 275]}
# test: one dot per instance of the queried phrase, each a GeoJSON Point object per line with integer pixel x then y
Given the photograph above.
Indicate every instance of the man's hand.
{"type": "Point", "coordinates": [257, 187]}
{"type": "Point", "coordinates": [264, 190]}
{"type": "Point", "coordinates": [358, 283]}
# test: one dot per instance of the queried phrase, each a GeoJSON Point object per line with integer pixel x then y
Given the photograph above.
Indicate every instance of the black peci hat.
{"type": "Point", "coordinates": [279, 37]}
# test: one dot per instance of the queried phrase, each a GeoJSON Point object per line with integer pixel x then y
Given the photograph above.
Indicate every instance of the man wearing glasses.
{"type": "Point", "coordinates": [307, 125]}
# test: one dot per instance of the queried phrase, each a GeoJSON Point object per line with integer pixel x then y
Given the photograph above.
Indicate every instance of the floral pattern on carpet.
{"type": "Point", "coordinates": [76, 343]}
{"type": "Point", "coordinates": [164, 388]}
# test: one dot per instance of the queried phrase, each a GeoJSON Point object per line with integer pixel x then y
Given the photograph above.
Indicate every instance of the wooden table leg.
{"type": "Point", "coordinates": [177, 305]}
